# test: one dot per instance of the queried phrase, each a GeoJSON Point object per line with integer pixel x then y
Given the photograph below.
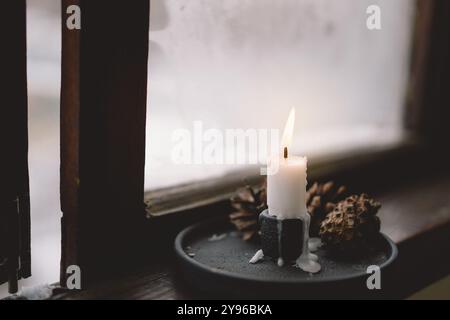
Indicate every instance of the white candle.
{"type": "Point", "coordinates": [286, 188]}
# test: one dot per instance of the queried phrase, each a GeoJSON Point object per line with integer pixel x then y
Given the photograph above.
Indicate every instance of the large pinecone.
{"type": "Point", "coordinates": [352, 224]}
{"type": "Point", "coordinates": [321, 199]}
{"type": "Point", "coordinates": [249, 203]}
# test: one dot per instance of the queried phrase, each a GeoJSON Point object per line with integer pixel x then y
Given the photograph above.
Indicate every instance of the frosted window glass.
{"type": "Point", "coordinates": [245, 63]}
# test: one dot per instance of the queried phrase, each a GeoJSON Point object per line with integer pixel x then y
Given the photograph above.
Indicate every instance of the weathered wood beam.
{"type": "Point", "coordinates": [103, 114]}
{"type": "Point", "coordinates": [433, 78]}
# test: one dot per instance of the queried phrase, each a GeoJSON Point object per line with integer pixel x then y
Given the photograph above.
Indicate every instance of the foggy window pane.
{"type": "Point", "coordinates": [244, 64]}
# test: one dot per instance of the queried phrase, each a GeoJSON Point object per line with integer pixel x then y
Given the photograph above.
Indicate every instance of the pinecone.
{"type": "Point", "coordinates": [352, 225]}
{"type": "Point", "coordinates": [249, 203]}
{"type": "Point", "coordinates": [321, 199]}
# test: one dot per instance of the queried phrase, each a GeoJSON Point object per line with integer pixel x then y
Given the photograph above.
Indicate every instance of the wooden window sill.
{"type": "Point", "coordinates": [415, 215]}
{"type": "Point", "coordinates": [173, 200]}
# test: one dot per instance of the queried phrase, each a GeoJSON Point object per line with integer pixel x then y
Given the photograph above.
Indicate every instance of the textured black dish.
{"type": "Point", "coordinates": [212, 258]}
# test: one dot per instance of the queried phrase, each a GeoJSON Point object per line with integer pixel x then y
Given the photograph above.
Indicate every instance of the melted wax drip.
{"type": "Point", "coordinates": [280, 231]}
{"type": "Point", "coordinates": [307, 261]}
{"type": "Point", "coordinates": [314, 244]}
{"type": "Point", "coordinates": [259, 255]}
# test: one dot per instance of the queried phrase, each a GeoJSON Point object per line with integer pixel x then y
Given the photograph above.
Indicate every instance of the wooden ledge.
{"type": "Point", "coordinates": [416, 216]}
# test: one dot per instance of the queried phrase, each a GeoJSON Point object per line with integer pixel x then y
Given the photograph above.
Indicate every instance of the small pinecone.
{"type": "Point", "coordinates": [351, 225]}
{"type": "Point", "coordinates": [249, 203]}
{"type": "Point", "coordinates": [321, 199]}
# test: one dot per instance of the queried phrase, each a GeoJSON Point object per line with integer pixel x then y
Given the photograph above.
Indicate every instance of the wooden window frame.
{"type": "Point", "coordinates": [103, 115]}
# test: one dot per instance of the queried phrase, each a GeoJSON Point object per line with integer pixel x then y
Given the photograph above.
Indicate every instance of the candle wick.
{"type": "Point", "coordinates": [285, 152]}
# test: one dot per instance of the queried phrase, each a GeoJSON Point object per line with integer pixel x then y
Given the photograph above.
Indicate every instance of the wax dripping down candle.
{"type": "Point", "coordinates": [286, 197]}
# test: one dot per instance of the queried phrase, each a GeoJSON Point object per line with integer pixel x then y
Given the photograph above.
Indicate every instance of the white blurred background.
{"type": "Point", "coordinates": [232, 64]}
{"type": "Point", "coordinates": [246, 63]}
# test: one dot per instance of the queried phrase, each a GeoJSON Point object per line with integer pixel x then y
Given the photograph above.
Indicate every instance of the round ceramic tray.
{"type": "Point", "coordinates": [214, 259]}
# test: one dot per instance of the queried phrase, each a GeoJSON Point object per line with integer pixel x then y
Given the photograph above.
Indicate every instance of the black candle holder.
{"type": "Point", "coordinates": [281, 238]}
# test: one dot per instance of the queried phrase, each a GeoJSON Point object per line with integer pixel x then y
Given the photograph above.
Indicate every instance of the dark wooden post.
{"type": "Point", "coordinates": [436, 96]}
{"type": "Point", "coordinates": [15, 261]}
{"type": "Point", "coordinates": [103, 112]}
{"type": "Point", "coordinates": [429, 97]}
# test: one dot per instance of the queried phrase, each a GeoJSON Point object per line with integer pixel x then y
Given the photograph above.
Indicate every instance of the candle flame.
{"type": "Point", "coordinates": [288, 132]}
